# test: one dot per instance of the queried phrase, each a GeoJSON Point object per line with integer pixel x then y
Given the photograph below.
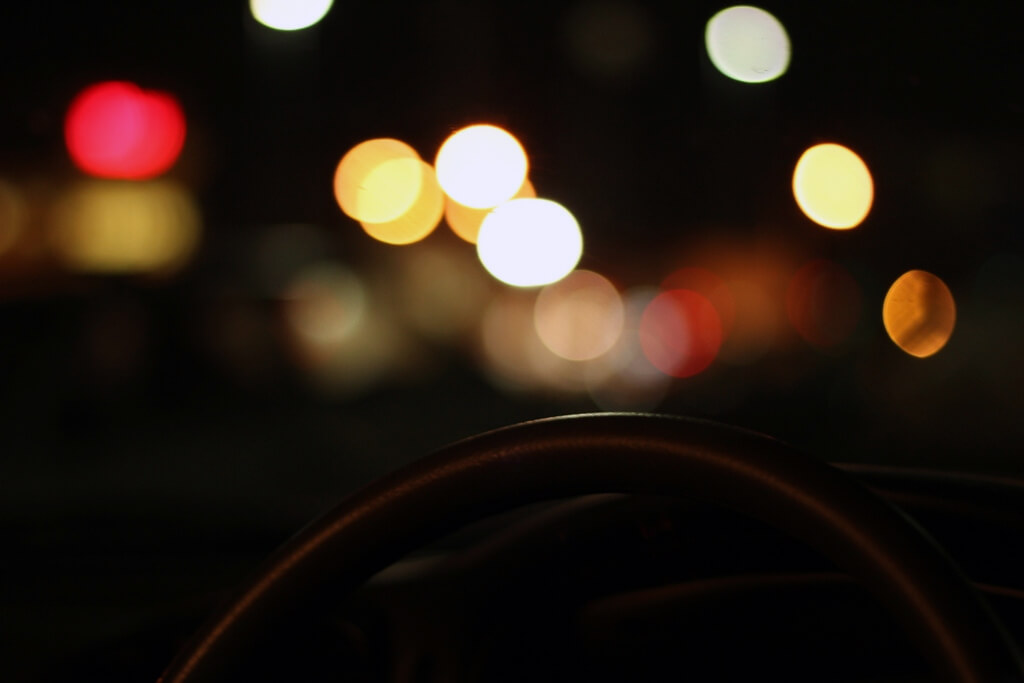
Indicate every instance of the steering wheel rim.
{"type": "Point", "coordinates": [952, 624]}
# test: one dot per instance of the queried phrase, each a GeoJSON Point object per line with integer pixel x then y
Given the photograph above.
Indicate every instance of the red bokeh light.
{"type": "Point", "coordinates": [118, 130]}
{"type": "Point", "coordinates": [710, 285]}
{"type": "Point", "coordinates": [680, 332]}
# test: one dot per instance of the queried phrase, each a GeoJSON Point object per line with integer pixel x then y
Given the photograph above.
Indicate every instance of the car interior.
{"type": "Point", "coordinates": [452, 341]}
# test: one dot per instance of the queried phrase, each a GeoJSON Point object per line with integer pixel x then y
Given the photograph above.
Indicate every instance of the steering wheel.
{"type": "Point", "coordinates": [950, 622]}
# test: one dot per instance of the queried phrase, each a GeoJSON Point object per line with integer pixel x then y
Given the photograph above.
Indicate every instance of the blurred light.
{"type": "Point", "coordinates": [509, 342]}
{"type": "Point", "coordinates": [378, 180]}
{"type": "Point", "coordinates": [441, 290]}
{"type": "Point", "coordinates": [680, 332]}
{"type": "Point", "coordinates": [823, 303]}
{"type": "Point", "coordinates": [919, 313]}
{"type": "Point", "coordinates": [324, 304]}
{"type": "Point", "coordinates": [710, 285]}
{"type": "Point", "coordinates": [289, 15]}
{"type": "Point", "coordinates": [515, 357]}
{"type": "Point", "coordinates": [13, 215]}
{"type": "Point", "coordinates": [422, 216]}
{"type": "Point", "coordinates": [610, 38]}
{"type": "Point", "coordinates": [117, 130]}
{"type": "Point", "coordinates": [481, 166]}
{"type": "Point", "coordinates": [118, 227]}
{"type": "Point", "coordinates": [530, 242]}
{"type": "Point", "coordinates": [759, 318]}
{"type": "Point", "coordinates": [624, 379]}
{"type": "Point", "coordinates": [465, 221]}
{"type": "Point", "coordinates": [341, 340]}
{"type": "Point", "coordinates": [747, 44]}
{"type": "Point", "coordinates": [579, 317]}
{"type": "Point", "coordinates": [833, 186]}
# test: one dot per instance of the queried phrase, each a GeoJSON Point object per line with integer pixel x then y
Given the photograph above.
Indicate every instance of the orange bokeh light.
{"type": "Point", "coordinates": [419, 220]}
{"type": "Point", "coordinates": [465, 220]}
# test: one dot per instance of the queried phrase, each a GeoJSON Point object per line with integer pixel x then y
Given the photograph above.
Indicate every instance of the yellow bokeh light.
{"type": "Point", "coordinates": [833, 186]}
{"type": "Point", "coordinates": [465, 221]}
{"type": "Point", "coordinates": [422, 216]}
{"type": "Point", "coordinates": [125, 227]}
{"type": "Point", "coordinates": [530, 242]}
{"type": "Point", "coordinates": [580, 317]}
{"type": "Point", "coordinates": [481, 166]}
{"type": "Point", "coordinates": [919, 313]}
{"type": "Point", "coordinates": [289, 15]}
{"type": "Point", "coordinates": [747, 44]}
{"type": "Point", "coordinates": [378, 180]}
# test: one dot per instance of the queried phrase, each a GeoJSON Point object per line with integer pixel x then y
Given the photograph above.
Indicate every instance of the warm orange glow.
{"type": "Point", "coordinates": [481, 166]}
{"type": "Point", "coordinates": [833, 186]}
{"type": "Point", "coordinates": [579, 317]}
{"type": "Point", "coordinates": [465, 221]}
{"type": "Point", "coordinates": [919, 313]}
{"type": "Point", "coordinates": [420, 219]}
{"type": "Point", "coordinates": [680, 332]}
{"type": "Point", "coordinates": [13, 214]}
{"type": "Point", "coordinates": [123, 227]}
{"type": "Point", "coordinates": [823, 303]}
{"type": "Point", "coordinates": [378, 181]}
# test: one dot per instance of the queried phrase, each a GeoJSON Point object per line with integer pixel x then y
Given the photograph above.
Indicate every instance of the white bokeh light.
{"type": "Point", "coordinates": [747, 44]}
{"type": "Point", "coordinates": [289, 15]}
{"type": "Point", "coordinates": [481, 166]}
{"type": "Point", "coordinates": [530, 242]}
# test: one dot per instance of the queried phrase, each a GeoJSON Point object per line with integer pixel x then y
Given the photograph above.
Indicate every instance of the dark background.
{"type": "Point", "coordinates": [145, 461]}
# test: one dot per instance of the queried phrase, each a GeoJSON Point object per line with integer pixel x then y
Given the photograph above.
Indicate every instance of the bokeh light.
{"type": "Point", "coordinates": [465, 221]}
{"type": "Point", "coordinates": [625, 379]}
{"type": "Point", "coordinates": [580, 317]}
{"type": "Point", "coordinates": [709, 284]}
{"type": "Point", "coordinates": [339, 336]}
{"type": "Point", "coordinates": [289, 15]}
{"type": "Point", "coordinates": [680, 332]}
{"type": "Point", "coordinates": [378, 180]}
{"type": "Point", "coordinates": [833, 186]}
{"type": "Point", "coordinates": [422, 216]}
{"type": "Point", "coordinates": [118, 130]}
{"type": "Point", "coordinates": [530, 242]}
{"type": "Point", "coordinates": [121, 227]}
{"type": "Point", "coordinates": [325, 304]}
{"type": "Point", "coordinates": [481, 166]}
{"type": "Point", "coordinates": [823, 303]}
{"type": "Point", "coordinates": [747, 44]}
{"type": "Point", "coordinates": [919, 313]}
